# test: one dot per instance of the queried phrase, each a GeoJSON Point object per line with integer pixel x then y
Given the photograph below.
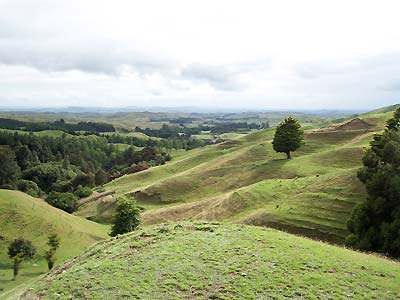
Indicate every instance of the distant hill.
{"type": "Point", "coordinates": [33, 219]}
{"type": "Point", "coordinates": [385, 109]}
{"type": "Point", "coordinates": [218, 261]}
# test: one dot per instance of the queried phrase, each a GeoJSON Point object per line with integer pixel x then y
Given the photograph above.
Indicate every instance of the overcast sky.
{"type": "Point", "coordinates": [254, 54]}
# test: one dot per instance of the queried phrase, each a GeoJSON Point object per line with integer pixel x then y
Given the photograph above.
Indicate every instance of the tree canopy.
{"type": "Point", "coordinates": [127, 217]}
{"type": "Point", "coordinates": [288, 136]}
{"type": "Point", "coordinates": [375, 223]}
{"type": "Point", "coordinates": [39, 165]}
{"type": "Point", "coordinates": [19, 250]}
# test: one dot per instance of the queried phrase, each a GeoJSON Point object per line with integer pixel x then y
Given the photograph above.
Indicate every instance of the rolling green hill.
{"type": "Point", "coordinates": [241, 181]}
{"type": "Point", "coordinates": [245, 181]}
{"type": "Point", "coordinates": [218, 261]}
{"type": "Point", "coordinates": [33, 219]}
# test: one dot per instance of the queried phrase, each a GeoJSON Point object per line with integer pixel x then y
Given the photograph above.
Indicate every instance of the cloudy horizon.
{"type": "Point", "coordinates": [255, 54]}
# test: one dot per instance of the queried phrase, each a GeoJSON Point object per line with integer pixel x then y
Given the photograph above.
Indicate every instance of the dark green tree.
{"type": "Point", "coordinates": [288, 136]}
{"type": "Point", "coordinates": [100, 177]}
{"type": "Point", "coordinates": [20, 250]}
{"type": "Point", "coordinates": [50, 255]}
{"type": "Point", "coordinates": [127, 217]}
{"type": "Point", "coordinates": [83, 180]}
{"type": "Point", "coordinates": [9, 169]}
{"type": "Point", "coordinates": [375, 223]}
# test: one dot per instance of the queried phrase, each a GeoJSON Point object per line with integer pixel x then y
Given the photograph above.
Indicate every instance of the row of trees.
{"type": "Point", "coordinates": [56, 125]}
{"type": "Point", "coordinates": [219, 128]}
{"type": "Point", "coordinates": [21, 250]}
{"type": "Point", "coordinates": [177, 142]}
{"type": "Point", "coordinates": [170, 132]}
{"type": "Point", "coordinates": [185, 132]}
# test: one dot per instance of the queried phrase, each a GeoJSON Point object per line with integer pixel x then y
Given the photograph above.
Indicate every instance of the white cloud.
{"type": "Point", "coordinates": [269, 54]}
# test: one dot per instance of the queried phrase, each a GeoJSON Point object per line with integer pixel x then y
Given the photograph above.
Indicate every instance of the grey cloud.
{"type": "Point", "coordinates": [222, 77]}
{"type": "Point", "coordinates": [217, 77]}
{"type": "Point", "coordinates": [39, 34]}
{"type": "Point", "coordinates": [391, 59]}
{"type": "Point", "coordinates": [388, 62]}
{"type": "Point", "coordinates": [315, 70]}
{"type": "Point", "coordinates": [393, 86]}
{"type": "Point", "coordinates": [89, 56]}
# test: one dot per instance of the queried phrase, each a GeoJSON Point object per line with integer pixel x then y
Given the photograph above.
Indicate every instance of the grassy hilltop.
{"type": "Point", "coordinates": [215, 261]}
{"type": "Point", "coordinates": [33, 219]}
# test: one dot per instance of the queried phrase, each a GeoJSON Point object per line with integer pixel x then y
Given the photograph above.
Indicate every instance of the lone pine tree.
{"type": "Point", "coordinates": [288, 136]}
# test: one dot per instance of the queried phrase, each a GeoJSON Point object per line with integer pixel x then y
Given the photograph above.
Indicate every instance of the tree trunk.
{"type": "Point", "coordinates": [288, 155]}
{"type": "Point", "coordinates": [17, 261]}
{"type": "Point", "coordinates": [50, 264]}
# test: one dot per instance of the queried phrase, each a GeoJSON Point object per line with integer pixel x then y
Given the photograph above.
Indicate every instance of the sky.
{"type": "Point", "coordinates": [233, 54]}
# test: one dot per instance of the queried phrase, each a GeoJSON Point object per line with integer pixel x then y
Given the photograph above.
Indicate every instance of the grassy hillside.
{"type": "Point", "coordinates": [245, 181]}
{"type": "Point", "coordinates": [214, 261]}
{"type": "Point", "coordinates": [385, 109]}
{"type": "Point", "coordinates": [33, 219]}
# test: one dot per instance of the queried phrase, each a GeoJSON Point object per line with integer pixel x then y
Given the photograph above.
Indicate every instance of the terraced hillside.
{"type": "Point", "coordinates": [217, 261]}
{"type": "Point", "coordinates": [244, 181]}
{"type": "Point", "coordinates": [33, 219]}
{"type": "Point", "coordinates": [311, 194]}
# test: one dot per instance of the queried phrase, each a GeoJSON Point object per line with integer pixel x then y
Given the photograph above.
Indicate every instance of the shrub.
{"type": "Point", "coordinates": [29, 187]}
{"type": "Point", "coordinates": [65, 201]}
{"type": "Point", "coordinates": [141, 166]}
{"type": "Point", "coordinates": [83, 191]}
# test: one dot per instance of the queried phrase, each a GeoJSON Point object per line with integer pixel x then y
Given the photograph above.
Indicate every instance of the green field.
{"type": "Point", "coordinates": [33, 219]}
{"type": "Point", "coordinates": [218, 261]}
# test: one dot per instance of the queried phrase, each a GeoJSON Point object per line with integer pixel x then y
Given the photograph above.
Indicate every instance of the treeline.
{"type": "Point", "coordinates": [170, 132]}
{"type": "Point", "coordinates": [184, 132]}
{"type": "Point", "coordinates": [220, 128]}
{"type": "Point", "coordinates": [62, 169]}
{"type": "Point", "coordinates": [56, 125]}
{"type": "Point", "coordinates": [180, 142]}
